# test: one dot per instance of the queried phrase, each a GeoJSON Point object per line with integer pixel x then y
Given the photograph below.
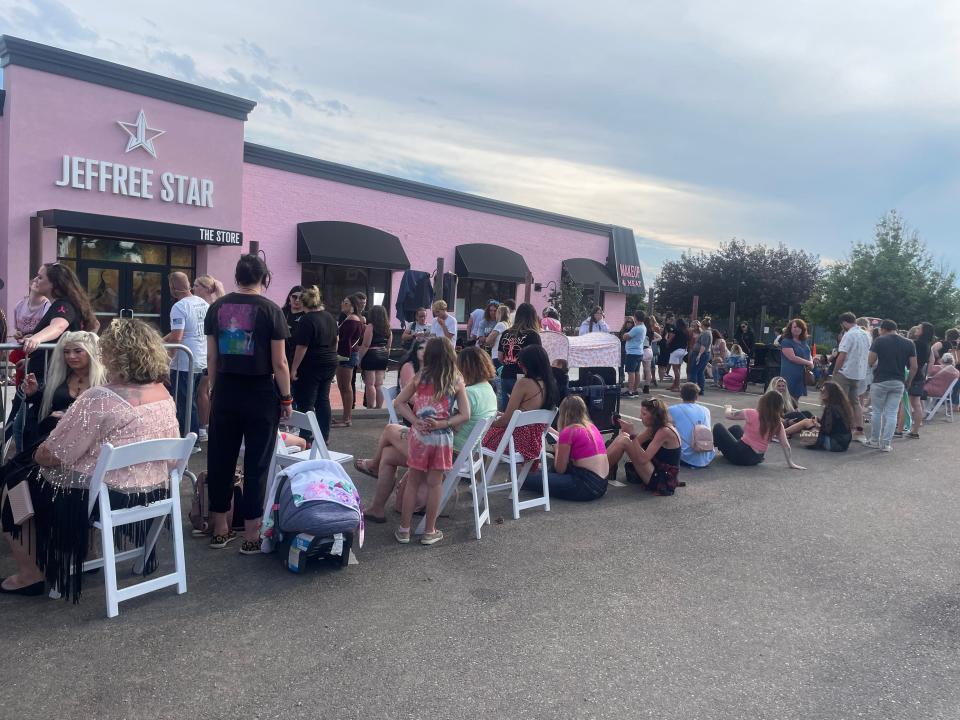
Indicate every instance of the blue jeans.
{"type": "Point", "coordinates": [181, 379]}
{"type": "Point", "coordinates": [506, 387]}
{"type": "Point", "coordinates": [700, 371]}
{"type": "Point", "coordinates": [884, 401]}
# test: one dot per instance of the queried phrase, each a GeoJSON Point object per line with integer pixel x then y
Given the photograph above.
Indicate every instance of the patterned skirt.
{"type": "Point", "coordinates": [527, 439]}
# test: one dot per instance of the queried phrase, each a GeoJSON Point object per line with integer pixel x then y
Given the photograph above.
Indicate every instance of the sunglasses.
{"type": "Point", "coordinates": [295, 296]}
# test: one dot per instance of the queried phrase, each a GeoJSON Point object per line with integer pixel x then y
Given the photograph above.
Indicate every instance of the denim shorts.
{"type": "Point", "coordinates": [632, 363]}
{"type": "Point", "coordinates": [353, 362]}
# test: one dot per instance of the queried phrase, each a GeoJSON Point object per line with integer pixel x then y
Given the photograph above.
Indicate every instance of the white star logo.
{"type": "Point", "coordinates": [140, 134]}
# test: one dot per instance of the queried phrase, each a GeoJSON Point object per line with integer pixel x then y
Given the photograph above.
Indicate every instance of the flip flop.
{"type": "Point", "coordinates": [341, 424]}
{"type": "Point", "coordinates": [361, 465]}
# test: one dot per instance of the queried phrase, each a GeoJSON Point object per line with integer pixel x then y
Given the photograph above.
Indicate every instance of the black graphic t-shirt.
{"type": "Point", "coordinates": [244, 326]}
{"type": "Point", "coordinates": [60, 308]}
{"type": "Point", "coordinates": [509, 347]}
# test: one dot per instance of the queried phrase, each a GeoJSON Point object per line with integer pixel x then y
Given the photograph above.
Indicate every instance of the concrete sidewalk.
{"type": "Point", "coordinates": [752, 593]}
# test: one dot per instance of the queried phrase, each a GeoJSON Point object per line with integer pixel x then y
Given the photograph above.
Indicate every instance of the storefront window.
{"type": "Point", "coordinates": [181, 256]}
{"type": "Point", "coordinates": [337, 282]}
{"type": "Point", "coordinates": [473, 294]}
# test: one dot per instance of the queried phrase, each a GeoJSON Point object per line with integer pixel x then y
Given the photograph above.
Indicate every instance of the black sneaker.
{"type": "Point", "coordinates": [646, 389]}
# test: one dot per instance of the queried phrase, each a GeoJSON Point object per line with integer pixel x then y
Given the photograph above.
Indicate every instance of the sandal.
{"type": "Point", "coordinates": [915, 436]}
{"type": "Point", "coordinates": [362, 465]}
{"type": "Point", "coordinates": [341, 424]}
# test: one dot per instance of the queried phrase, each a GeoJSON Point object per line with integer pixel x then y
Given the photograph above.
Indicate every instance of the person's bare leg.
{"type": "Point", "coordinates": [378, 380]}
{"type": "Point", "coordinates": [617, 449]}
{"type": "Point", "coordinates": [27, 571]}
{"type": "Point", "coordinates": [386, 480]}
{"type": "Point", "coordinates": [410, 492]}
{"type": "Point", "coordinates": [251, 530]}
{"type": "Point", "coordinates": [676, 377]}
{"type": "Point", "coordinates": [218, 523]}
{"type": "Point", "coordinates": [434, 493]}
{"type": "Point", "coordinates": [203, 401]}
{"type": "Point", "coordinates": [392, 436]}
{"type": "Point", "coordinates": [344, 379]}
{"type": "Point", "coordinates": [916, 414]}
{"type": "Point", "coordinates": [369, 388]}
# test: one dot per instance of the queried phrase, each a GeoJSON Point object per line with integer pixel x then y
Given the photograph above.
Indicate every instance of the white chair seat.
{"type": "Point", "coordinates": [507, 453]}
{"type": "Point", "coordinates": [290, 458]}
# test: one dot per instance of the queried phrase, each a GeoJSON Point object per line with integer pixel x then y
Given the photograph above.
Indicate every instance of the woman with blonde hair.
{"type": "Point", "coordinates": [74, 367]}
{"type": "Point", "coordinates": [580, 466]}
{"type": "Point", "coordinates": [134, 406]}
{"type": "Point", "coordinates": [314, 359]}
{"type": "Point", "coordinates": [210, 289]}
{"type": "Point", "coordinates": [793, 416]}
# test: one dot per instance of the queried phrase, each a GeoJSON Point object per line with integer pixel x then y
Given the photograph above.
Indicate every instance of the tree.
{"type": "Point", "coordinates": [894, 277]}
{"type": "Point", "coordinates": [750, 275]}
{"type": "Point", "coordinates": [571, 302]}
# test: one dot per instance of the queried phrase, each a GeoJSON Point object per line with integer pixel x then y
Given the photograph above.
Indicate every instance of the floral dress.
{"type": "Point", "coordinates": [433, 450]}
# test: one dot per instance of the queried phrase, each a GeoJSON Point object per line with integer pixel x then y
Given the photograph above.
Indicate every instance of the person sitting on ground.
{"type": "Point", "coordinates": [594, 323]}
{"type": "Point", "coordinates": [580, 466]}
{"type": "Point", "coordinates": [133, 407]}
{"type": "Point", "coordinates": [654, 453]}
{"type": "Point", "coordinates": [746, 444]}
{"type": "Point", "coordinates": [686, 417]}
{"type": "Point", "coordinates": [439, 405]}
{"type": "Point", "coordinates": [835, 424]}
{"type": "Point", "coordinates": [792, 415]}
{"type": "Point", "coordinates": [940, 376]}
{"type": "Point", "coordinates": [535, 390]}
{"type": "Point", "coordinates": [735, 378]}
{"type": "Point", "coordinates": [551, 320]}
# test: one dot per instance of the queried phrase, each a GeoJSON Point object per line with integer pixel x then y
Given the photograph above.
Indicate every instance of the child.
{"type": "Point", "coordinates": [746, 444]}
{"type": "Point", "coordinates": [580, 460]}
{"type": "Point", "coordinates": [836, 423]}
{"type": "Point", "coordinates": [432, 391]}
{"type": "Point", "coordinates": [561, 375]}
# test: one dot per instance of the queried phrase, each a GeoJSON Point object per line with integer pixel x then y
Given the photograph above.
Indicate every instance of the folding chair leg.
{"type": "Point", "coordinates": [545, 479]}
{"type": "Point", "coordinates": [179, 562]}
{"type": "Point", "coordinates": [109, 555]}
{"type": "Point", "coordinates": [514, 489]}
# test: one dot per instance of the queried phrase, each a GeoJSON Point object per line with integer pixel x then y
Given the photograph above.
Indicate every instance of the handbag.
{"type": "Point", "coordinates": [808, 377]}
{"type": "Point", "coordinates": [21, 504]}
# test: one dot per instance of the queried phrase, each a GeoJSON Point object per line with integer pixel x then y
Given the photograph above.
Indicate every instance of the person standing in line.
{"type": "Point", "coordinates": [209, 289]}
{"type": "Point", "coordinates": [483, 325]}
{"type": "Point", "coordinates": [702, 352]}
{"type": "Point", "coordinates": [677, 351]}
{"type": "Point", "coordinates": [375, 355]}
{"type": "Point", "coordinates": [444, 324]}
{"type": "Point", "coordinates": [293, 311]}
{"type": "Point", "coordinates": [594, 323]}
{"type": "Point", "coordinates": [250, 386]}
{"type": "Point", "coordinates": [26, 316]}
{"type": "Point", "coordinates": [349, 335]}
{"type": "Point", "coordinates": [314, 360]}
{"type": "Point", "coordinates": [419, 329]}
{"type": "Point", "coordinates": [492, 341]}
{"type": "Point", "coordinates": [851, 367]}
{"type": "Point", "coordinates": [922, 337]}
{"type": "Point", "coordinates": [186, 327]}
{"type": "Point", "coordinates": [745, 339]}
{"type": "Point", "coordinates": [512, 307]}
{"type": "Point", "coordinates": [892, 358]}
{"type": "Point", "coordinates": [635, 339]}
{"type": "Point", "coordinates": [795, 356]}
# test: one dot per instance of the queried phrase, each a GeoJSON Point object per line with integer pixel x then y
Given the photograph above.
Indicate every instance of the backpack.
{"type": "Point", "coordinates": [702, 438]}
{"type": "Point", "coordinates": [200, 507]}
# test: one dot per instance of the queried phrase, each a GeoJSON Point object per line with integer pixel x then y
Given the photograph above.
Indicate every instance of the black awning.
{"type": "Point", "coordinates": [479, 261]}
{"type": "Point", "coordinates": [345, 243]}
{"type": "Point", "coordinates": [588, 273]}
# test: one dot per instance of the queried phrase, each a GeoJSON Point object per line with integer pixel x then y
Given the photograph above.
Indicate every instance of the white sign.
{"type": "Point", "coordinates": [115, 178]}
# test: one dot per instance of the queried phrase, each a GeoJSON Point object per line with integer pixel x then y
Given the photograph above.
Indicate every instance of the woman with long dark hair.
{"type": "Point", "coordinates": [349, 335]}
{"type": "Point", "coordinates": [924, 344]}
{"type": "Point", "coordinates": [677, 341]}
{"type": "Point", "coordinates": [375, 355]}
{"type": "Point", "coordinates": [70, 309]}
{"type": "Point", "coordinates": [293, 311]}
{"type": "Point", "coordinates": [835, 426]}
{"type": "Point", "coordinates": [250, 384]}
{"type": "Point", "coordinates": [524, 333]}
{"type": "Point", "coordinates": [746, 444]}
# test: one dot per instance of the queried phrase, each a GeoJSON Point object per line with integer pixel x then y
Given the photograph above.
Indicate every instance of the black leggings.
{"type": "Point", "coordinates": [244, 408]}
{"type": "Point", "coordinates": [735, 450]}
{"type": "Point", "coordinates": [311, 391]}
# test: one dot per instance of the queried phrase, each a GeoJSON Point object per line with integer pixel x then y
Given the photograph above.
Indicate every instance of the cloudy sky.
{"type": "Point", "coordinates": [691, 121]}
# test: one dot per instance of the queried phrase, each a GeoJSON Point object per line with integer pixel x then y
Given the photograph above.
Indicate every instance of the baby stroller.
{"type": "Point", "coordinates": [597, 356]}
{"type": "Point", "coordinates": [315, 512]}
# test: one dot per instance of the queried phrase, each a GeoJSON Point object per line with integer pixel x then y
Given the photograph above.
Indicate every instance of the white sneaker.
{"type": "Point", "coordinates": [202, 436]}
{"type": "Point", "coordinates": [886, 448]}
{"type": "Point", "coordinates": [871, 444]}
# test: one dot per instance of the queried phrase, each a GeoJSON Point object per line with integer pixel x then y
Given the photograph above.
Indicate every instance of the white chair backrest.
{"type": "Point", "coordinates": [521, 418]}
{"type": "Point", "coordinates": [117, 458]}
{"type": "Point", "coordinates": [389, 395]}
{"type": "Point", "coordinates": [465, 458]}
{"type": "Point", "coordinates": [308, 421]}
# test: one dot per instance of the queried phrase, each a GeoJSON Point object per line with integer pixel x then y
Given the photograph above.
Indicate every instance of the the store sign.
{"type": "Point", "coordinates": [116, 178]}
{"type": "Point", "coordinates": [211, 236]}
{"type": "Point", "coordinates": [625, 261]}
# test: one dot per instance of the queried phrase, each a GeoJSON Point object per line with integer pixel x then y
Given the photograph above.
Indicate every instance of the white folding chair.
{"type": "Point", "coordinates": [389, 395]}
{"type": "Point", "coordinates": [117, 458]}
{"type": "Point", "coordinates": [946, 400]}
{"type": "Point", "coordinates": [506, 453]}
{"type": "Point", "coordinates": [318, 449]}
{"type": "Point", "coordinates": [467, 465]}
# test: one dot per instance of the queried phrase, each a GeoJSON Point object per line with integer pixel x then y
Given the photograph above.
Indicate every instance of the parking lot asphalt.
{"type": "Point", "coordinates": [757, 592]}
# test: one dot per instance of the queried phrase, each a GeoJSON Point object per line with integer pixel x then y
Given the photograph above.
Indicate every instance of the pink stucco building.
{"type": "Point", "coordinates": [126, 175]}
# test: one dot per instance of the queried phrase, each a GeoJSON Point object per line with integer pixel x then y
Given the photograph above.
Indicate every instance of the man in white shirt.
{"type": "Point", "coordinates": [444, 324]}
{"type": "Point", "coordinates": [850, 371]}
{"type": "Point", "coordinates": [186, 328]}
{"type": "Point", "coordinates": [474, 322]}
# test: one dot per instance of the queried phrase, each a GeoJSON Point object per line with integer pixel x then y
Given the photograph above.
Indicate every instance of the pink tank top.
{"type": "Point", "coordinates": [584, 442]}
{"type": "Point", "coordinates": [751, 432]}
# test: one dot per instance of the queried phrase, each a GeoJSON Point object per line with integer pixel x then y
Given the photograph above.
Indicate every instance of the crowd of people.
{"type": "Point", "coordinates": [253, 362]}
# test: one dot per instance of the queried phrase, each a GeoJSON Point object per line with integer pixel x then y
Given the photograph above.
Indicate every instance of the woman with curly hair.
{"type": "Point", "coordinates": [133, 406]}
{"type": "Point", "coordinates": [654, 452]}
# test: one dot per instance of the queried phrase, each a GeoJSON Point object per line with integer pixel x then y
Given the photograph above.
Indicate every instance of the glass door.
{"type": "Point", "coordinates": [115, 288]}
{"type": "Point", "coordinates": [103, 288]}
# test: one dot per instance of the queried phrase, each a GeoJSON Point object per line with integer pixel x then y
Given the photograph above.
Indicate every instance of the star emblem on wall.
{"type": "Point", "coordinates": [141, 135]}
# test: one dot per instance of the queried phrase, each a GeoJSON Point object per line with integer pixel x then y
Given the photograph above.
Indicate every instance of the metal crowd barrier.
{"type": "Point", "coordinates": [7, 389]}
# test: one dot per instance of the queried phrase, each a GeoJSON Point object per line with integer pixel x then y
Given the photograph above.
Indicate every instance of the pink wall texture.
{"type": "Point", "coordinates": [47, 116]}
{"type": "Point", "coordinates": [274, 202]}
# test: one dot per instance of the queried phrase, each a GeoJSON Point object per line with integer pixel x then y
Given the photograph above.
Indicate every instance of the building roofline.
{"type": "Point", "coordinates": [325, 170]}
{"type": "Point", "coordinates": [28, 54]}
